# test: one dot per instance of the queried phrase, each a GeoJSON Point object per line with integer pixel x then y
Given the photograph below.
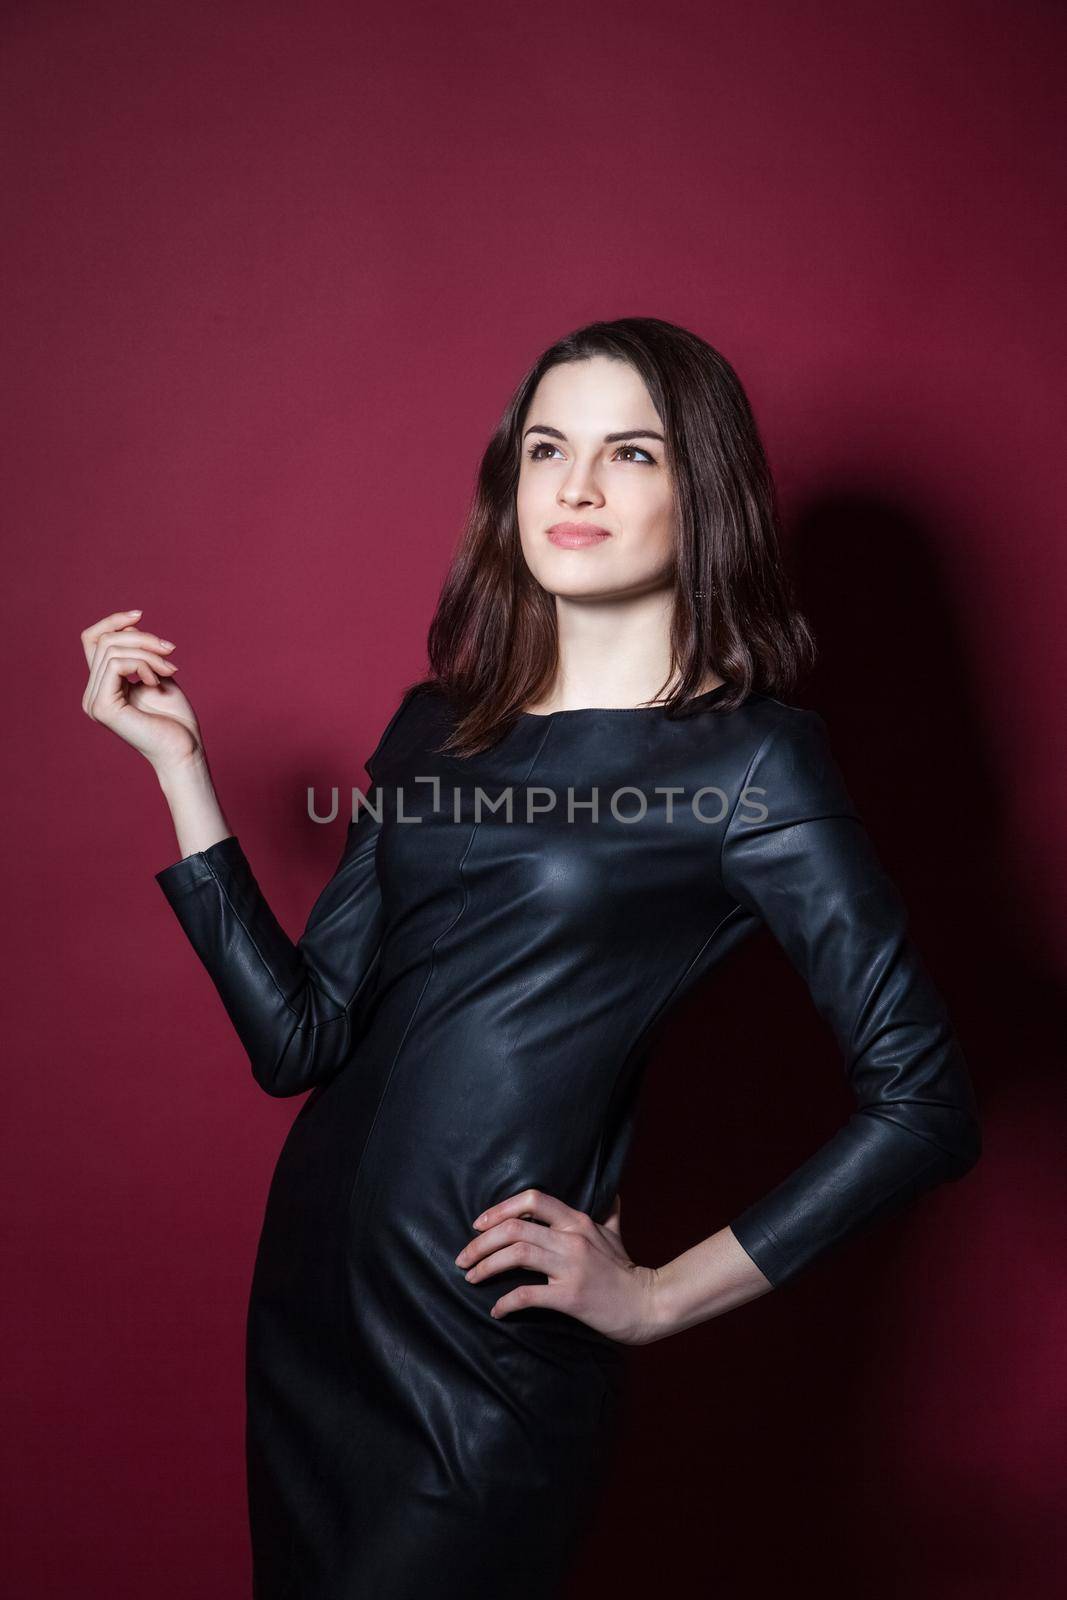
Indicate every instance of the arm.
{"type": "Point", "coordinates": [297, 1007]}
{"type": "Point", "coordinates": [797, 856]}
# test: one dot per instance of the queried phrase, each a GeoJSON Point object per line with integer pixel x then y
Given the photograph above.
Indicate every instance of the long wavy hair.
{"type": "Point", "coordinates": [493, 645]}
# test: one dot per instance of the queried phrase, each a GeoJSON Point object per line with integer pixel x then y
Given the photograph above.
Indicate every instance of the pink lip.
{"type": "Point", "coordinates": [575, 535]}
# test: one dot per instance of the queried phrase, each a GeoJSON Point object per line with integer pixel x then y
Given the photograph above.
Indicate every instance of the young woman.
{"type": "Point", "coordinates": [596, 794]}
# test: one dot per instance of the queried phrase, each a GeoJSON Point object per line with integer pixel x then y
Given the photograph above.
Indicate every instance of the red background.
{"type": "Point", "coordinates": [272, 272]}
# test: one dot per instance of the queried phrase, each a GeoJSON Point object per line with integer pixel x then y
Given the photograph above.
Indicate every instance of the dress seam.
{"type": "Point", "coordinates": [408, 1025]}
{"type": "Point", "coordinates": [744, 785]}
{"type": "Point", "coordinates": [426, 983]}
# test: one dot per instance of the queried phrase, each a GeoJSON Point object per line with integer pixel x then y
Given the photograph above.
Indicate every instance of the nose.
{"type": "Point", "coordinates": [580, 488]}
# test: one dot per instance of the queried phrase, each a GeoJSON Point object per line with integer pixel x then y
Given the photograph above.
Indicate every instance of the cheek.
{"type": "Point", "coordinates": [530, 491]}
{"type": "Point", "coordinates": [651, 543]}
{"type": "Point", "coordinates": [533, 506]}
{"type": "Point", "coordinates": [652, 521]}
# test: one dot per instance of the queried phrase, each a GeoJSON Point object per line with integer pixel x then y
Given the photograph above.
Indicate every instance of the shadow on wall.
{"type": "Point", "coordinates": [877, 1424]}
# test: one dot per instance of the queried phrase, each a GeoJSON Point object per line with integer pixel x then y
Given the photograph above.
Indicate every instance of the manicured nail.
{"type": "Point", "coordinates": [136, 612]}
{"type": "Point", "coordinates": [168, 644]}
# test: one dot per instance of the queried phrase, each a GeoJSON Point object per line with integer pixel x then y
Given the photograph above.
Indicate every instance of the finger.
{"type": "Point", "coordinates": [525, 1253]}
{"type": "Point", "coordinates": [134, 636]}
{"type": "Point", "coordinates": [129, 639]}
{"type": "Point", "coordinates": [91, 634]}
{"type": "Point", "coordinates": [106, 652]}
{"type": "Point", "coordinates": [512, 1231]}
{"type": "Point", "coordinates": [104, 685]}
{"type": "Point", "coordinates": [613, 1220]}
{"type": "Point", "coordinates": [104, 679]}
{"type": "Point", "coordinates": [527, 1294]}
{"type": "Point", "coordinates": [133, 667]}
{"type": "Point", "coordinates": [130, 647]}
{"type": "Point", "coordinates": [529, 1203]}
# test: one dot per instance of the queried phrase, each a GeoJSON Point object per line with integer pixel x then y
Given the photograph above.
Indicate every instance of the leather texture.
{"type": "Point", "coordinates": [471, 1004]}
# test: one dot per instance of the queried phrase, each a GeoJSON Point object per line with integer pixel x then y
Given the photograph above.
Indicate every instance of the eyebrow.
{"type": "Point", "coordinates": [609, 438]}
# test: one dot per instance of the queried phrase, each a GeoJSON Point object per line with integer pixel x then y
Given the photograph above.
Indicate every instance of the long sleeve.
{"type": "Point", "coordinates": [298, 1008]}
{"type": "Point", "coordinates": [798, 857]}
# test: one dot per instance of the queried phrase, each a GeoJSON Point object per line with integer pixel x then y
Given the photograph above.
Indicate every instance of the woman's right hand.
{"type": "Point", "coordinates": [150, 711]}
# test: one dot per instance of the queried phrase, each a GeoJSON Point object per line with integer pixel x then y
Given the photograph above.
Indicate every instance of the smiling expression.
{"type": "Point", "coordinates": [594, 469]}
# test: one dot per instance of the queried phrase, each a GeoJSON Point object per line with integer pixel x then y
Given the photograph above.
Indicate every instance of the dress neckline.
{"type": "Point", "coordinates": [620, 711]}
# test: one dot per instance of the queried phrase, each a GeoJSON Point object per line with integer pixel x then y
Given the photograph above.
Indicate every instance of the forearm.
{"type": "Point", "coordinates": [299, 1007]}
{"type": "Point", "coordinates": [810, 872]}
{"type": "Point", "coordinates": [714, 1276]}
{"type": "Point", "coordinates": [888, 1154]}
{"type": "Point", "coordinates": [194, 807]}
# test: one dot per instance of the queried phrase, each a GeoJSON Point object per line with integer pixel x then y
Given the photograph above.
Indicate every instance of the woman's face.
{"type": "Point", "coordinates": [594, 458]}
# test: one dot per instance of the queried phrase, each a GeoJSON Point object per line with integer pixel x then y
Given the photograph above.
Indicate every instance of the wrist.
{"type": "Point", "coordinates": [661, 1303]}
{"type": "Point", "coordinates": [188, 772]}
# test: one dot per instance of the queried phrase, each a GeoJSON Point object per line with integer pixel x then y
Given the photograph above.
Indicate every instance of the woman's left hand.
{"type": "Point", "coordinates": [590, 1276]}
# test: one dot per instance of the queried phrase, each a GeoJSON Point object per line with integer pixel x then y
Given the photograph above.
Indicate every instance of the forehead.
{"type": "Point", "coordinates": [598, 395]}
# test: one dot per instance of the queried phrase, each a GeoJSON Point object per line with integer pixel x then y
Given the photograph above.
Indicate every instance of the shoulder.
{"type": "Point", "coordinates": [792, 768]}
{"type": "Point", "coordinates": [421, 710]}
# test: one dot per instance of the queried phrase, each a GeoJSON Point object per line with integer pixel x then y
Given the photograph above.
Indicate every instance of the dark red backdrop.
{"type": "Point", "coordinates": [272, 271]}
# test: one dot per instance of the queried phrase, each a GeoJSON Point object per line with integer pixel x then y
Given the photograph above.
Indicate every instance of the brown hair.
{"type": "Point", "coordinates": [492, 644]}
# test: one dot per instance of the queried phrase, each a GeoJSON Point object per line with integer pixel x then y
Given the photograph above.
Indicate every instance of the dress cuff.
{"type": "Point", "coordinates": [183, 876]}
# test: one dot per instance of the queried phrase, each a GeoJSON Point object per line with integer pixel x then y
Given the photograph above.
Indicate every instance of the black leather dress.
{"type": "Point", "coordinates": [471, 1005]}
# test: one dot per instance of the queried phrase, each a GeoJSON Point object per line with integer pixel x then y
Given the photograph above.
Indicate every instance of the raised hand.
{"type": "Point", "coordinates": [131, 690]}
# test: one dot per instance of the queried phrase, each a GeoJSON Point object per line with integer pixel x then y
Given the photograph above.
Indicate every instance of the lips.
{"type": "Point", "coordinates": [576, 535]}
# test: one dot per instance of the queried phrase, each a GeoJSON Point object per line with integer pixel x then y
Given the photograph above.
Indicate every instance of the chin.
{"type": "Point", "coordinates": [590, 584]}
{"type": "Point", "coordinates": [589, 588]}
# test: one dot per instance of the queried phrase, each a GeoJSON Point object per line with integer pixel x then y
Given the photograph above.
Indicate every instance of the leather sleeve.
{"type": "Point", "coordinates": [797, 855]}
{"type": "Point", "coordinates": [297, 1007]}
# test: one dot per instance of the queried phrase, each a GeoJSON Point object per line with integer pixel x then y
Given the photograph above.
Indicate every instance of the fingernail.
{"type": "Point", "coordinates": [168, 644]}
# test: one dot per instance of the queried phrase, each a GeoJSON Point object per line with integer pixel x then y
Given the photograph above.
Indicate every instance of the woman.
{"type": "Point", "coordinates": [594, 796]}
